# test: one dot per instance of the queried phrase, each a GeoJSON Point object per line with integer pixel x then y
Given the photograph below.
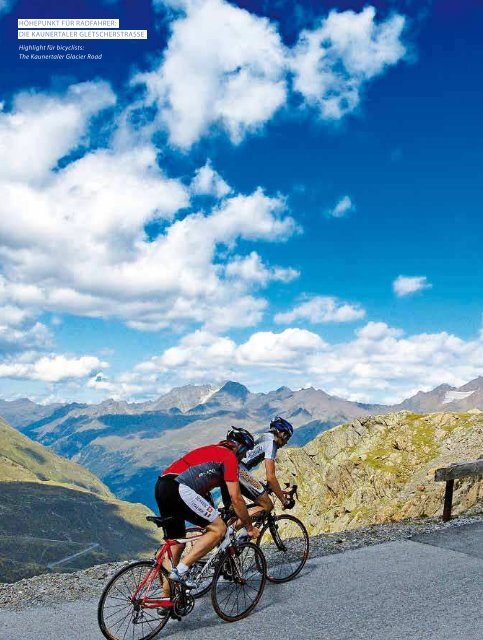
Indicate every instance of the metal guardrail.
{"type": "Point", "coordinates": [452, 473]}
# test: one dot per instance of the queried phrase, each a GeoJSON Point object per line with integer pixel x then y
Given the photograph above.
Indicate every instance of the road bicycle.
{"type": "Point", "coordinates": [132, 605]}
{"type": "Point", "coordinates": [283, 539]}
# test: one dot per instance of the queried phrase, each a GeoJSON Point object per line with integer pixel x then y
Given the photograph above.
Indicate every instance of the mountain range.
{"type": "Point", "coordinates": [127, 445]}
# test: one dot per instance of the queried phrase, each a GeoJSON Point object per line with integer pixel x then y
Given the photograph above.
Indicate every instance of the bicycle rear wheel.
{"type": "Point", "coordinates": [238, 582]}
{"type": "Point", "coordinates": [285, 543]}
{"type": "Point", "coordinates": [119, 617]}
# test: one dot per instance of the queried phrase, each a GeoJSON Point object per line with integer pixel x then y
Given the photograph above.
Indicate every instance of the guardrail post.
{"type": "Point", "coordinates": [448, 500]}
{"type": "Point", "coordinates": [452, 472]}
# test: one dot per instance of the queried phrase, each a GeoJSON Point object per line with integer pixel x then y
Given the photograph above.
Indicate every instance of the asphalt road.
{"type": "Point", "coordinates": [427, 589]}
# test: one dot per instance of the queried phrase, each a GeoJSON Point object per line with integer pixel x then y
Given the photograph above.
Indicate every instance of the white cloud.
{"type": "Point", "coordinates": [223, 66]}
{"type": "Point", "coordinates": [208, 182]}
{"type": "Point", "coordinates": [117, 390]}
{"type": "Point", "coordinates": [24, 336]}
{"type": "Point", "coordinates": [321, 309]}
{"type": "Point", "coordinates": [207, 356]}
{"type": "Point", "coordinates": [51, 368]}
{"type": "Point", "coordinates": [18, 328]}
{"type": "Point", "coordinates": [290, 348]}
{"type": "Point", "coordinates": [378, 364]}
{"type": "Point", "coordinates": [406, 285]}
{"type": "Point", "coordinates": [73, 240]}
{"type": "Point", "coordinates": [40, 129]}
{"type": "Point", "coordinates": [333, 62]}
{"type": "Point", "coordinates": [343, 206]}
{"type": "Point", "coordinates": [251, 269]}
{"type": "Point", "coordinates": [198, 354]}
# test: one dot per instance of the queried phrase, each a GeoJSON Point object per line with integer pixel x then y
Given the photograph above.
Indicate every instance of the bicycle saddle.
{"type": "Point", "coordinates": [159, 522]}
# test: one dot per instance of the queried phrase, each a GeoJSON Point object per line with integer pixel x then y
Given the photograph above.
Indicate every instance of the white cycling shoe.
{"type": "Point", "coordinates": [182, 578]}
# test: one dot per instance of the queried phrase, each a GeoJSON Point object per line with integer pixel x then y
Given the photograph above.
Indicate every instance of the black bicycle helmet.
{"type": "Point", "coordinates": [282, 426]}
{"type": "Point", "coordinates": [242, 437]}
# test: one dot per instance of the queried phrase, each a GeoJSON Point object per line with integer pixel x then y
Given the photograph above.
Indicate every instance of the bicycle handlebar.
{"type": "Point", "coordinates": [227, 513]}
{"type": "Point", "coordinates": [292, 494]}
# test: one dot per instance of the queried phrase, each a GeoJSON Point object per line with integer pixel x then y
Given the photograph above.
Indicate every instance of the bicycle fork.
{"type": "Point", "coordinates": [276, 537]}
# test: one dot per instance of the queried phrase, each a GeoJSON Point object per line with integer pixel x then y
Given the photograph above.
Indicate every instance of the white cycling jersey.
{"type": "Point", "coordinates": [265, 448]}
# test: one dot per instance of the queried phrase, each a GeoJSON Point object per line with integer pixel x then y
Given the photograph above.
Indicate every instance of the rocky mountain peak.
{"type": "Point", "coordinates": [473, 385]}
{"type": "Point", "coordinates": [234, 389]}
{"type": "Point", "coordinates": [442, 387]}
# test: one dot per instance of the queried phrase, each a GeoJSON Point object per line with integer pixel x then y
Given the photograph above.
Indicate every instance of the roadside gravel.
{"type": "Point", "coordinates": [56, 588]}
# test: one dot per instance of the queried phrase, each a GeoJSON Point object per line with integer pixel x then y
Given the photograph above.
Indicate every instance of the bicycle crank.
{"type": "Point", "coordinates": [183, 604]}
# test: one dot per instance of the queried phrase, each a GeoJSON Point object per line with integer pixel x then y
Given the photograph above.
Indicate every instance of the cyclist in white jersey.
{"type": "Point", "coordinates": [266, 446]}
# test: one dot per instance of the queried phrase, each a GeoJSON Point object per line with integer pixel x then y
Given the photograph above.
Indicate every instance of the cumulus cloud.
{"type": "Point", "coordinates": [120, 389]}
{"type": "Point", "coordinates": [250, 269]}
{"type": "Point", "coordinates": [50, 368]}
{"type": "Point", "coordinates": [208, 182]}
{"type": "Point", "coordinates": [205, 355]}
{"type": "Point", "coordinates": [198, 354]}
{"type": "Point", "coordinates": [290, 348]}
{"type": "Point", "coordinates": [19, 330]}
{"type": "Point", "coordinates": [334, 62]}
{"type": "Point", "coordinates": [379, 363]}
{"type": "Point", "coordinates": [29, 335]}
{"type": "Point", "coordinates": [223, 66]}
{"type": "Point", "coordinates": [343, 206]}
{"type": "Point", "coordinates": [73, 239]}
{"type": "Point", "coordinates": [406, 285]}
{"type": "Point", "coordinates": [321, 309]}
{"type": "Point", "coordinates": [41, 128]}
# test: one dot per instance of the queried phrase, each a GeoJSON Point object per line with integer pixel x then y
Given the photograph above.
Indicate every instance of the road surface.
{"type": "Point", "coordinates": [429, 588]}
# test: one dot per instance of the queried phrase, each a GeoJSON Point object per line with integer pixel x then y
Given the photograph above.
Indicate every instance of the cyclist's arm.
{"type": "Point", "coordinates": [239, 505]}
{"type": "Point", "coordinates": [272, 480]}
{"type": "Point", "coordinates": [225, 496]}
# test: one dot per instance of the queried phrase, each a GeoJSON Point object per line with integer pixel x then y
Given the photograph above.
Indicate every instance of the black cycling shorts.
{"type": "Point", "coordinates": [181, 503]}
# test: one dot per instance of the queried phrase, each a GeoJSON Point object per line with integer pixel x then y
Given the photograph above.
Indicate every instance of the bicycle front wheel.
{"type": "Point", "coordinates": [121, 617]}
{"type": "Point", "coordinates": [238, 582]}
{"type": "Point", "coordinates": [285, 543]}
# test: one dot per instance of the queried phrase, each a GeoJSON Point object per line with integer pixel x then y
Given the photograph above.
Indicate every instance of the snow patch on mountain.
{"type": "Point", "coordinates": [456, 396]}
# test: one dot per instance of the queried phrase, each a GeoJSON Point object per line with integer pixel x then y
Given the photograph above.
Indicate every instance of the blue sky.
{"type": "Point", "coordinates": [279, 193]}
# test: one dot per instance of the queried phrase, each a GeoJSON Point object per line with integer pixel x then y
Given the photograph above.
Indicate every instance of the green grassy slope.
{"type": "Point", "coordinates": [51, 508]}
{"type": "Point", "coordinates": [21, 459]}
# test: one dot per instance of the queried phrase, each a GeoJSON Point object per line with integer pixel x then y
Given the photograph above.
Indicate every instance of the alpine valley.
{"type": "Point", "coordinates": [55, 514]}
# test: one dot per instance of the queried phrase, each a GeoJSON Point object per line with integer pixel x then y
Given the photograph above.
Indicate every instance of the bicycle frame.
{"type": "Point", "coordinates": [230, 533]}
{"type": "Point", "coordinates": [156, 571]}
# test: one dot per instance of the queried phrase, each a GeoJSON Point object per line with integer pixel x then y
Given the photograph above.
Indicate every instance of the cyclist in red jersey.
{"type": "Point", "coordinates": [181, 494]}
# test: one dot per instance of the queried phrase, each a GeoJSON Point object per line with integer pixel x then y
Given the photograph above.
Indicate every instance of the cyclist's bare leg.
{"type": "Point", "coordinates": [214, 533]}
{"type": "Point", "coordinates": [176, 551]}
{"type": "Point", "coordinates": [264, 504]}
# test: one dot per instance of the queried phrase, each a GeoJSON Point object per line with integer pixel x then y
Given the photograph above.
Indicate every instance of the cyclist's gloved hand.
{"type": "Point", "coordinates": [289, 501]}
{"type": "Point", "coordinates": [253, 532]}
